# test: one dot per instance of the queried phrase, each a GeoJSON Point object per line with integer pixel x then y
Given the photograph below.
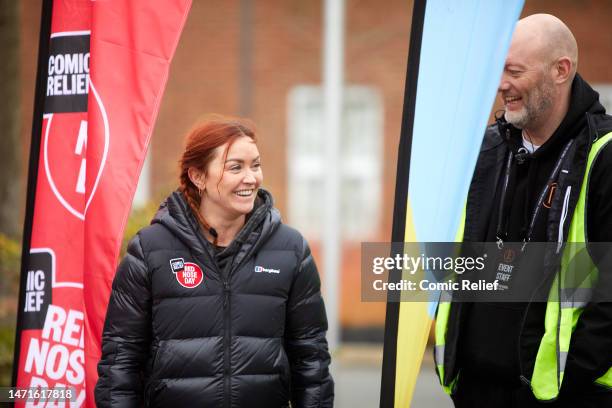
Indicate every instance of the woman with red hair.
{"type": "Point", "coordinates": [217, 303]}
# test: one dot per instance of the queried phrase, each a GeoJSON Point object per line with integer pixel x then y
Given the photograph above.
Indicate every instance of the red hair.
{"type": "Point", "coordinates": [200, 145]}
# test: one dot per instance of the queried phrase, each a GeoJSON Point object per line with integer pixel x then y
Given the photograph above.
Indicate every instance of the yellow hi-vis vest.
{"type": "Point", "coordinates": [562, 312]}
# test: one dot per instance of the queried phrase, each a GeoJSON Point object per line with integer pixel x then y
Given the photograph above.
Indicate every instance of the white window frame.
{"type": "Point", "coordinates": [306, 161]}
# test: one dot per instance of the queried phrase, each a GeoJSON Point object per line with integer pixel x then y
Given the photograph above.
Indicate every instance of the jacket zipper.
{"type": "Point", "coordinates": [559, 246]}
{"type": "Point", "coordinates": [226, 343]}
{"type": "Point", "coordinates": [563, 217]}
{"type": "Point", "coordinates": [227, 367]}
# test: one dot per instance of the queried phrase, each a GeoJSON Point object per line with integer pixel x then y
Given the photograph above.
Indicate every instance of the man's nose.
{"type": "Point", "coordinates": [504, 84]}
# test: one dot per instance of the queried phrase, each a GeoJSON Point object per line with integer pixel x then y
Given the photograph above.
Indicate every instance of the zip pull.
{"type": "Point", "coordinates": [500, 243]}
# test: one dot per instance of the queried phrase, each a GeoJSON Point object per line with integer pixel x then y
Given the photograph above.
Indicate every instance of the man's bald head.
{"type": "Point", "coordinates": [547, 38]}
{"type": "Point", "coordinates": [538, 74]}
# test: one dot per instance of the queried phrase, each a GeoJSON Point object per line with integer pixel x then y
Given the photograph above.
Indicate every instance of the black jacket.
{"type": "Point", "coordinates": [487, 338]}
{"type": "Point", "coordinates": [251, 334]}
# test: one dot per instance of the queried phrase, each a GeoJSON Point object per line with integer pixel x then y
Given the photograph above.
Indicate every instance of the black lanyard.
{"type": "Point", "coordinates": [536, 211]}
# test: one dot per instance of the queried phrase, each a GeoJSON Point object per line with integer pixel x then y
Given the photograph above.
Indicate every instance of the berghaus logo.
{"type": "Point", "coordinates": [261, 269]}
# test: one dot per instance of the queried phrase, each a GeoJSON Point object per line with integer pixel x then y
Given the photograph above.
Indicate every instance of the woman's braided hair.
{"type": "Point", "coordinates": [200, 148]}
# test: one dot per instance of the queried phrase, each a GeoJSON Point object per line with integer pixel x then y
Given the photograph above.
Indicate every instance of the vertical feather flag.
{"type": "Point", "coordinates": [102, 70]}
{"type": "Point", "coordinates": [455, 61]}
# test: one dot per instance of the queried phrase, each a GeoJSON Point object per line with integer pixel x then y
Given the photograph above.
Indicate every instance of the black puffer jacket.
{"type": "Point", "coordinates": [251, 334]}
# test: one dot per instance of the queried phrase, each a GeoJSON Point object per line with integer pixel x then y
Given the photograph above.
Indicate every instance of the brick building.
{"type": "Point", "coordinates": [262, 59]}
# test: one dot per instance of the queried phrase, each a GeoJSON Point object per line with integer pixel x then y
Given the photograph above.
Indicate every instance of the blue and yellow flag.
{"type": "Point", "coordinates": [455, 62]}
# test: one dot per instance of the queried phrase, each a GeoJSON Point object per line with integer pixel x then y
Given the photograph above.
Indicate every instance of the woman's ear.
{"type": "Point", "coordinates": [197, 177]}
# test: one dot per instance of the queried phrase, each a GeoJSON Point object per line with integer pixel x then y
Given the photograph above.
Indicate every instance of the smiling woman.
{"type": "Point", "coordinates": [220, 175]}
{"type": "Point", "coordinates": [192, 320]}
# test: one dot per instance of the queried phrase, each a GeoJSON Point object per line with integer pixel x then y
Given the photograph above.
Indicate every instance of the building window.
{"type": "Point", "coordinates": [360, 163]}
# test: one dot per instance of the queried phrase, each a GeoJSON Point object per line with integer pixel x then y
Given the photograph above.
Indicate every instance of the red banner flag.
{"type": "Point", "coordinates": [103, 66]}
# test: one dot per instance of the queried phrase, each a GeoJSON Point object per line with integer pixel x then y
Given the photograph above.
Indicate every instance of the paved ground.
{"type": "Point", "coordinates": [356, 371]}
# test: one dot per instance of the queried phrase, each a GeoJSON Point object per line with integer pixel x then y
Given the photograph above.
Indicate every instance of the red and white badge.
{"type": "Point", "coordinates": [188, 274]}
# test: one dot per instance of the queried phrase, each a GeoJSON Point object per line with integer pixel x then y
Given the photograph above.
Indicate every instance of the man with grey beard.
{"type": "Point", "coordinates": [543, 175]}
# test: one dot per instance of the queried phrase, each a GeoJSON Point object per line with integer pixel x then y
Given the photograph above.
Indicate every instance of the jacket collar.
{"type": "Point", "coordinates": [176, 215]}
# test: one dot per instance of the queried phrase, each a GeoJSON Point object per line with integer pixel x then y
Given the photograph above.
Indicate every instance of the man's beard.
{"type": "Point", "coordinates": [536, 105]}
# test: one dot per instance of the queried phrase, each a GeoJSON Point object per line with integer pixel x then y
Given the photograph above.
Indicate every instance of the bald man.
{"type": "Point", "coordinates": [544, 174]}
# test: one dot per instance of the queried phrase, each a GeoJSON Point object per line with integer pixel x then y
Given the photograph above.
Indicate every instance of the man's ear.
{"type": "Point", "coordinates": [562, 70]}
{"type": "Point", "coordinates": [197, 177]}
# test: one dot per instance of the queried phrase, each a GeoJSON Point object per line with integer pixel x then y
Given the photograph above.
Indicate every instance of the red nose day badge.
{"type": "Point", "coordinates": [188, 274]}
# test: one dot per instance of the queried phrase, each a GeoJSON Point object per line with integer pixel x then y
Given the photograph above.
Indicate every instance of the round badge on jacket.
{"type": "Point", "coordinates": [188, 274]}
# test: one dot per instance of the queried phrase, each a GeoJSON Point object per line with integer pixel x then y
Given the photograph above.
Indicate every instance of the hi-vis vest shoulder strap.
{"type": "Point", "coordinates": [566, 301]}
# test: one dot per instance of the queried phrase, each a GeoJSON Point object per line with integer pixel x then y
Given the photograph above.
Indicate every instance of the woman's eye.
{"type": "Point", "coordinates": [234, 168]}
{"type": "Point", "coordinates": [256, 165]}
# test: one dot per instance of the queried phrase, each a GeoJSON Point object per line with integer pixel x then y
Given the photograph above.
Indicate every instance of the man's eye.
{"type": "Point", "coordinates": [257, 165]}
